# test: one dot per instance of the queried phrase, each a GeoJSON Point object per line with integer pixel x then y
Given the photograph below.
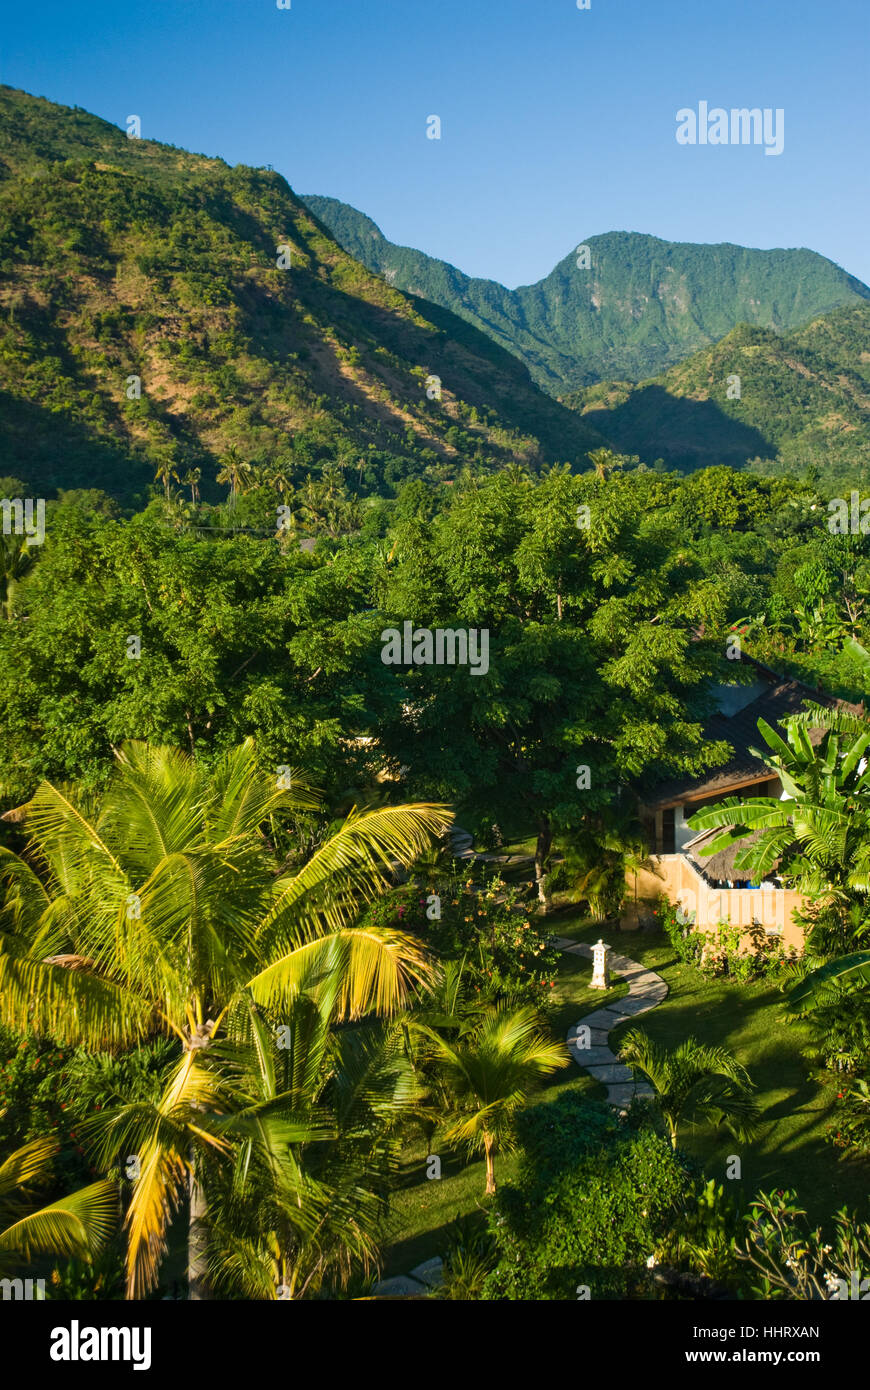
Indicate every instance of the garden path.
{"type": "Point", "coordinates": [645, 991]}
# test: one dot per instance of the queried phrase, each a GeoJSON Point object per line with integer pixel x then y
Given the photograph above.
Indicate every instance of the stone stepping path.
{"type": "Point", "coordinates": [422, 1280]}
{"type": "Point", "coordinates": [645, 991]}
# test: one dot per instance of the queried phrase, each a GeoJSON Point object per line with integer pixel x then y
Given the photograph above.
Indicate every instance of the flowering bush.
{"type": "Point", "coordinates": [852, 1130]}
{"type": "Point", "coordinates": [718, 953]}
{"type": "Point", "coordinates": [500, 941]}
{"type": "Point", "coordinates": [792, 1261]}
{"type": "Point", "coordinates": [687, 943]}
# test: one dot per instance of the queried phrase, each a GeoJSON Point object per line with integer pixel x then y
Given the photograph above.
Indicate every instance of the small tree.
{"type": "Point", "coordinates": [491, 1074]}
{"type": "Point", "coordinates": [694, 1082]}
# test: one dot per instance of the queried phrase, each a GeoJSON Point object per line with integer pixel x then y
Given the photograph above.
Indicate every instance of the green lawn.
{"type": "Point", "coordinates": [790, 1150]}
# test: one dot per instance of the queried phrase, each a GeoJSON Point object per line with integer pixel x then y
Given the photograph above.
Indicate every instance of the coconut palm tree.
{"type": "Point", "coordinates": [192, 479]}
{"type": "Point", "coordinates": [235, 473]}
{"type": "Point", "coordinates": [168, 909]}
{"type": "Point", "coordinates": [318, 1143]}
{"type": "Point", "coordinates": [693, 1082]}
{"type": "Point", "coordinates": [17, 560]}
{"type": "Point", "coordinates": [278, 478]}
{"type": "Point", "coordinates": [166, 473]}
{"type": "Point", "coordinates": [491, 1072]}
{"type": "Point", "coordinates": [76, 1225]}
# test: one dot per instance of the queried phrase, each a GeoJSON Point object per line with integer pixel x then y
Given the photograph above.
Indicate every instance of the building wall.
{"type": "Point", "coordinates": [673, 876]}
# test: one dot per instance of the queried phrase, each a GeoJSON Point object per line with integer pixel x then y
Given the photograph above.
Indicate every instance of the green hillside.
{"type": "Point", "coordinates": [643, 305]}
{"type": "Point", "coordinates": [124, 259]}
{"type": "Point", "coordinates": [804, 401]}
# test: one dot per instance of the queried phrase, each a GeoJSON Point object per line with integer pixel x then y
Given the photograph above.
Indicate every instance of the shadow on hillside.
{"type": "Point", "coordinates": [49, 450]}
{"type": "Point", "coordinates": [471, 366]}
{"type": "Point", "coordinates": [687, 434]}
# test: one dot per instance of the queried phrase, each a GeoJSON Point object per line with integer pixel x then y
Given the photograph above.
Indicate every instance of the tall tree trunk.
{"type": "Point", "coordinates": [197, 1240]}
{"type": "Point", "coordinates": [489, 1151]}
{"type": "Point", "coordinates": [542, 850]}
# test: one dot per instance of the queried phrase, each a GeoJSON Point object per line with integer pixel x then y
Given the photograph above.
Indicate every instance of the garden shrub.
{"type": "Point", "coordinates": [593, 1196]}
{"type": "Point", "coordinates": [719, 954]}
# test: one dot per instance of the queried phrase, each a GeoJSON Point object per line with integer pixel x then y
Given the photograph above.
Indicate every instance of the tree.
{"type": "Point", "coordinates": [236, 639]}
{"type": "Point", "coordinates": [77, 1225]}
{"type": "Point", "coordinates": [191, 479]}
{"type": "Point", "coordinates": [234, 472]}
{"type": "Point", "coordinates": [17, 560]}
{"type": "Point", "coordinates": [692, 1082]}
{"type": "Point", "coordinates": [316, 1135]}
{"type": "Point", "coordinates": [174, 907]}
{"type": "Point", "coordinates": [595, 674]}
{"type": "Point", "coordinates": [165, 472]}
{"type": "Point", "coordinates": [491, 1073]}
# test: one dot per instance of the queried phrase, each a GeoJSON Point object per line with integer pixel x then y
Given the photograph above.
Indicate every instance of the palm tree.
{"type": "Point", "coordinates": [491, 1073]}
{"type": "Point", "coordinates": [292, 1216]}
{"type": "Point", "coordinates": [604, 461]}
{"type": "Point", "coordinates": [235, 473]}
{"type": "Point", "coordinates": [191, 479]}
{"type": "Point", "coordinates": [692, 1082]}
{"type": "Point", "coordinates": [76, 1225]}
{"type": "Point", "coordinates": [166, 473]}
{"type": "Point", "coordinates": [17, 559]}
{"type": "Point", "coordinates": [167, 909]}
{"type": "Point", "coordinates": [278, 478]}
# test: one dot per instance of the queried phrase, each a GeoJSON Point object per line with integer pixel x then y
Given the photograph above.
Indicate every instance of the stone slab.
{"type": "Point", "coordinates": [621, 1094]}
{"type": "Point", "coordinates": [601, 1018]}
{"type": "Point", "coordinates": [612, 1074]}
{"type": "Point", "coordinates": [402, 1286]}
{"type": "Point", "coordinates": [430, 1272]}
{"type": "Point", "coordinates": [591, 1056]}
{"type": "Point", "coordinates": [629, 1006]}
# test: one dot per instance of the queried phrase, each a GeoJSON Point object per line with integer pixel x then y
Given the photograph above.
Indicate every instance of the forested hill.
{"type": "Point", "coordinates": [804, 400]}
{"type": "Point", "coordinates": [131, 266]}
{"type": "Point", "coordinates": [641, 306]}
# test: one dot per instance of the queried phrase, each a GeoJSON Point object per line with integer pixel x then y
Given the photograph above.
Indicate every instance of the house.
{"type": "Point", "coordinates": [710, 889]}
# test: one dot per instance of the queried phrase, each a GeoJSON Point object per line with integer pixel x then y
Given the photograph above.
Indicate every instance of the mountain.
{"type": "Point", "coordinates": [131, 266]}
{"type": "Point", "coordinates": [804, 401]}
{"type": "Point", "coordinates": [643, 305]}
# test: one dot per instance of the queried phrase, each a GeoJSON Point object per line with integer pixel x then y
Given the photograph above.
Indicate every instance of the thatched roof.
{"type": "Point", "coordinates": [720, 866]}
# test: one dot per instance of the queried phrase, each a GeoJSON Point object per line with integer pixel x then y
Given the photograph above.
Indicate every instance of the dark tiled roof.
{"type": "Point", "coordinates": [781, 697]}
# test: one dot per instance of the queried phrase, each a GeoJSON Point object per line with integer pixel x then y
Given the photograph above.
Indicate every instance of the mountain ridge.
{"type": "Point", "coordinates": [130, 261]}
{"type": "Point", "coordinates": [804, 401]}
{"type": "Point", "coordinates": [645, 304]}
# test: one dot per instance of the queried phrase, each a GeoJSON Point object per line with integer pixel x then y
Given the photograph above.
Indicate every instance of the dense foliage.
{"type": "Point", "coordinates": [592, 1196]}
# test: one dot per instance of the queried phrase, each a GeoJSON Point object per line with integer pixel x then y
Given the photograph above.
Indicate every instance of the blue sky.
{"type": "Point", "coordinates": [557, 123]}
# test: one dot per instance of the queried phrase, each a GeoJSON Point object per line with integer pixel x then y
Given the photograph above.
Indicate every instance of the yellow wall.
{"type": "Point", "coordinates": [675, 878]}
